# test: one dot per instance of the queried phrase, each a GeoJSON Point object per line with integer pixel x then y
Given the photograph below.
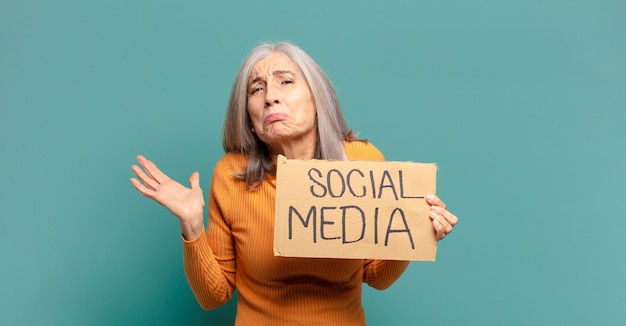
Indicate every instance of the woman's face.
{"type": "Point", "coordinates": [280, 103]}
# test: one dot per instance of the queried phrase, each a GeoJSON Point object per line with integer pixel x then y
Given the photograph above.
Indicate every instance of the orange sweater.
{"type": "Point", "coordinates": [236, 251]}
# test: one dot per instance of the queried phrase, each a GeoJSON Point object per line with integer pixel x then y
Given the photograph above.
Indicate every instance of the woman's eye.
{"type": "Point", "coordinates": [287, 81]}
{"type": "Point", "coordinates": [256, 90]}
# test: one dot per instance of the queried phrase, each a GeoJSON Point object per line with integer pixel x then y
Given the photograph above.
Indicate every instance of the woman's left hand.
{"type": "Point", "coordinates": [443, 220]}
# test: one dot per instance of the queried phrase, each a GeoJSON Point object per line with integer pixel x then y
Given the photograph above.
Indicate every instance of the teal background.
{"type": "Point", "coordinates": [522, 104]}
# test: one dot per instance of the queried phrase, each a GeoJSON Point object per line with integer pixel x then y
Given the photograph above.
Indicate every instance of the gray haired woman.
{"type": "Point", "coordinates": [281, 102]}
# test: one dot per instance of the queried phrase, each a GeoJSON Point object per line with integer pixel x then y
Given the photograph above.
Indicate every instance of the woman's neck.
{"type": "Point", "coordinates": [302, 149]}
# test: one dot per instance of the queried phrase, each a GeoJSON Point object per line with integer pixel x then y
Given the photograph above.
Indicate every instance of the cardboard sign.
{"type": "Point", "coordinates": [354, 209]}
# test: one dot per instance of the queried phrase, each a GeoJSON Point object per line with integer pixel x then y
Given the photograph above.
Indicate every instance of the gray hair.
{"type": "Point", "coordinates": [332, 128]}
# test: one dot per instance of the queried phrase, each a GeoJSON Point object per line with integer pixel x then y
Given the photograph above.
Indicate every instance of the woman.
{"type": "Point", "coordinates": [281, 103]}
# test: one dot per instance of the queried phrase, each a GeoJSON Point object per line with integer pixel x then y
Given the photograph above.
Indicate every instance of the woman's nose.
{"type": "Point", "coordinates": [271, 97]}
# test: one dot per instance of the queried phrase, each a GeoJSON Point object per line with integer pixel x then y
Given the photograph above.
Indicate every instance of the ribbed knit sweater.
{"type": "Point", "coordinates": [236, 252]}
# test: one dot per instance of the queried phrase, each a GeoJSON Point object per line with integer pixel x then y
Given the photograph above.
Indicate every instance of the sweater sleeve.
{"type": "Point", "coordinates": [209, 260]}
{"type": "Point", "coordinates": [381, 274]}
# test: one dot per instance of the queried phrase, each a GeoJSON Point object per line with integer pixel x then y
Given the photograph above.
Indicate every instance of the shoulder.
{"type": "Point", "coordinates": [224, 181]}
{"type": "Point", "coordinates": [362, 150]}
{"type": "Point", "coordinates": [231, 162]}
{"type": "Point", "coordinates": [229, 165]}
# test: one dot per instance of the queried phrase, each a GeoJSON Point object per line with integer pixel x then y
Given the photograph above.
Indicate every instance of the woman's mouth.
{"type": "Point", "coordinates": [275, 117]}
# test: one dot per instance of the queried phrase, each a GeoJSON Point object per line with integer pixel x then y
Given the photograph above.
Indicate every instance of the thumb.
{"type": "Point", "coordinates": [194, 180]}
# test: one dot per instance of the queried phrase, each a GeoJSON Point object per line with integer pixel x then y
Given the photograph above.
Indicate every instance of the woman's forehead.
{"type": "Point", "coordinates": [275, 63]}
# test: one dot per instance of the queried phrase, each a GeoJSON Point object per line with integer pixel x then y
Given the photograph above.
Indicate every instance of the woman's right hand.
{"type": "Point", "coordinates": [186, 203]}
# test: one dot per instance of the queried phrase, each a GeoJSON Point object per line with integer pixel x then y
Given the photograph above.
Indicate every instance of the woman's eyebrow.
{"type": "Point", "coordinates": [282, 72]}
{"type": "Point", "coordinates": [256, 79]}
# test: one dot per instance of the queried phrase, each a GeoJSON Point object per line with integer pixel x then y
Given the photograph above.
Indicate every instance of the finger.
{"type": "Point", "coordinates": [145, 179]}
{"type": "Point", "coordinates": [435, 201]}
{"type": "Point", "coordinates": [194, 180]}
{"type": "Point", "coordinates": [152, 170]}
{"type": "Point", "coordinates": [450, 218]}
{"type": "Point", "coordinates": [440, 232]}
{"type": "Point", "coordinates": [436, 215]}
{"type": "Point", "coordinates": [142, 189]}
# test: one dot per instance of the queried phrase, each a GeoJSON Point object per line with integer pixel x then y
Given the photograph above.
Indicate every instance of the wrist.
{"type": "Point", "coordinates": [192, 229]}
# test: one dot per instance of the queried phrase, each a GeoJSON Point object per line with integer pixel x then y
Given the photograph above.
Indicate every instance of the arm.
{"type": "Point", "coordinates": [210, 260]}
{"type": "Point", "coordinates": [380, 274]}
{"type": "Point", "coordinates": [210, 278]}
